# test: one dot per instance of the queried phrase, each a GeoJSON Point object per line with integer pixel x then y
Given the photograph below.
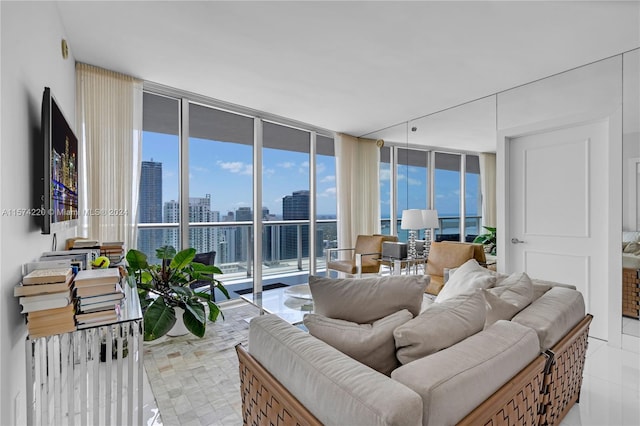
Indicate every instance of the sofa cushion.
{"type": "Point", "coordinates": [468, 278]}
{"type": "Point", "coordinates": [516, 289]}
{"type": "Point", "coordinates": [364, 300]}
{"type": "Point", "coordinates": [371, 344]}
{"type": "Point", "coordinates": [440, 326]}
{"type": "Point", "coordinates": [497, 309]}
{"type": "Point", "coordinates": [454, 381]}
{"type": "Point", "coordinates": [337, 389]}
{"type": "Point", "coordinates": [553, 315]}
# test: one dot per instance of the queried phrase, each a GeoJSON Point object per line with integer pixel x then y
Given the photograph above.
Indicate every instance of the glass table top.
{"type": "Point", "coordinates": [289, 303]}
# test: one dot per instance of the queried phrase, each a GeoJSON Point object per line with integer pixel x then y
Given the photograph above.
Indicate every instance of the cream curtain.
{"type": "Point", "coordinates": [488, 188]}
{"type": "Point", "coordinates": [109, 120]}
{"type": "Point", "coordinates": [358, 187]}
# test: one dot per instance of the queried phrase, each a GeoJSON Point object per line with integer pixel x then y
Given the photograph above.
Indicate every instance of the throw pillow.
{"type": "Point", "coordinates": [370, 344]}
{"type": "Point", "coordinates": [466, 279]}
{"type": "Point", "coordinates": [364, 300]}
{"type": "Point", "coordinates": [497, 308]}
{"type": "Point", "coordinates": [517, 290]}
{"type": "Point", "coordinates": [440, 326]}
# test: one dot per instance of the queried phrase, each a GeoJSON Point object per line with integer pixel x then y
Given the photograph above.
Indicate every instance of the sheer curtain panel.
{"type": "Point", "coordinates": [358, 186]}
{"type": "Point", "coordinates": [488, 188]}
{"type": "Point", "coordinates": [109, 122]}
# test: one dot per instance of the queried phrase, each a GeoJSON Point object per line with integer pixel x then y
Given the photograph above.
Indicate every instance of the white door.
{"type": "Point", "coordinates": [557, 216]}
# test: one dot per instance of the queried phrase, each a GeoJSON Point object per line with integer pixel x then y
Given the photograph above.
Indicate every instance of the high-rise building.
{"type": "Point", "coordinates": [150, 208]}
{"type": "Point", "coordinates": [243, 214]}
{"type": "Point", "coordinates": [171, 236]}
{"type": "Point", "coordinates": [295, 207]}
{"type": "Point", "coordinates": [203, 239]}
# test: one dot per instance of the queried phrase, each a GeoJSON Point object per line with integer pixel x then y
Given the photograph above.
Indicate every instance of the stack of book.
{"type": "Point", "coordinates": [113, 250]}
{"type": "Point", "coordinates": [98, 293]}
{"type": "Point", "coordinates": [47, 299]}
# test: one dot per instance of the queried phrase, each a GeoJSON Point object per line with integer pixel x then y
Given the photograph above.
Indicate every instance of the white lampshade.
{"type": "Point", "coordinates": [412, 219]}
{"type": "Point", "coordinates": [430, 219]}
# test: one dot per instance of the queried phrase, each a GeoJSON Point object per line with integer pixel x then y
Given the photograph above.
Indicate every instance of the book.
{"type": "Point", "coordinates": [97, 316]}
{"type": "Point", "coordinates": [97, 290]}
{"type": "Point", "coordinates": [65, 310]}
{"type": "Point", "coordinates": [87, 301]}
{"type": "Point", "coordinates": [34, 324]}
{"type": "Point", "coordinates": [49, 331]}
{"type": "Point", "coordinates": [66, 295]}
{"type": "Point", "coordinates": [44, 304]}
{"type": "Point", "coordinates": [81, 244]}
{"type": "Point", "coordinates": [46, 264]}
{"type": "Point", "coordinates": [45, 276]}
{"type": "Point", "coordinates": [31, 290]}
{"type": "Point", "coordinates": [94, 324]}
{"type": "Point", "coordinates": [101, 306]}
{"type": "Point", "coordinates": [92, 277]}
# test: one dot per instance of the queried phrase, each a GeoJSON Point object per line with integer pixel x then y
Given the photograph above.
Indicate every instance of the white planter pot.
{"type": "Point", "coordinates": [178, 329]}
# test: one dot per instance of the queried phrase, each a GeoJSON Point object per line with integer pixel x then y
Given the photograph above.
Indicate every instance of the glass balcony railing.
{"type": "Point", "coordinates": [285, 246]}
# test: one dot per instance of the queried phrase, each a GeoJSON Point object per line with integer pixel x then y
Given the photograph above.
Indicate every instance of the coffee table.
{"type": "Point", "coordinates": [289, 303]}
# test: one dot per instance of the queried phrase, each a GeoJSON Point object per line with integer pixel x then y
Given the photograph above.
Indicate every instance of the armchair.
{"type": "Point", "coordinates": [364, 259]}
{"type": "Point", "coordinates": [449, 255]}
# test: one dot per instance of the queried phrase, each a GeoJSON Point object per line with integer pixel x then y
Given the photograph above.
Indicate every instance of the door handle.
{"type": "Point", "coordinates": [516, 241]}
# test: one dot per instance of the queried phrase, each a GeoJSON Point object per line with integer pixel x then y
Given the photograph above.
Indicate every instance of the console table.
{"type": "Point", "coordinates": [91, 376]}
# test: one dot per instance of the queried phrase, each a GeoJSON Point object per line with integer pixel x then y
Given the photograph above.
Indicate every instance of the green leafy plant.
{"type": "Point", "coordinates": [488, 239]}
{"type": "Point", "coordinates": [166, 286]}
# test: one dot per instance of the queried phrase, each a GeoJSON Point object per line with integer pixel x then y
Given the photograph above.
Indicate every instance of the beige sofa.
{"type": "Point", "coordinates": [526, 370]}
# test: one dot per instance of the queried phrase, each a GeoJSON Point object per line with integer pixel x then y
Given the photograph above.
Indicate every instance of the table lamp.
{"type": "Point", "coordinates": [431, 221]}
{"type": "Point", "coordinates": [413, 221]}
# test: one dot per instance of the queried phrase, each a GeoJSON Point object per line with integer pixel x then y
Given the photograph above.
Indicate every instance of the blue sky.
{"type": "Point", "coordinates": [224, 170]}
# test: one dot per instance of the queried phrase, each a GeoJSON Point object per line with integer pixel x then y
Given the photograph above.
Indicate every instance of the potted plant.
{"type": "Point", "coordinates": [488, 239]}
{"type": "Point", "coordinates": [164, 289]}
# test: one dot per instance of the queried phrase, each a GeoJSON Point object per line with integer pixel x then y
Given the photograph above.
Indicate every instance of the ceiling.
{"type": "Point", "coordinates": [353, 67]}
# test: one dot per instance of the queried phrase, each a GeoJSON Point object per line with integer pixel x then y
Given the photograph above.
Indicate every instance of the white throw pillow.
{"type": "Point", "coordinates": [466, 279]}
{"type": "Point", "coordinates": [441, 325]}
{"type": "Point", "coordinates": [371, 344]}
{"type": "Point", "coordinates": [498, 309]}
{"type": "Point", "coordinates": [517, 289]}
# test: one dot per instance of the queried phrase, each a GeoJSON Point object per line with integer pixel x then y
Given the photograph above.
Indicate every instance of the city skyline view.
{"type": "Point", "coordinates": [224, 171]}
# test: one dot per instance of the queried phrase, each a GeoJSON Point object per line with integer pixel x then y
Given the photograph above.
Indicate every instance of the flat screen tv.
{"type": "Point", "coordinates": [60, 146]}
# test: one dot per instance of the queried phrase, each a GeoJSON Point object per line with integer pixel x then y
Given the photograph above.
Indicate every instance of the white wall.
{"type": "Point", "coordinates": [31, 59]}
{"type": "Point", "coordinates": [580, 95]}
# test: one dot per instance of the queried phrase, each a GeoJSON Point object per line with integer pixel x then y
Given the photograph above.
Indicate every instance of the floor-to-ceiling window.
{"type": "Point", "coordinates": [473, 197]}
{"type": "Point", "coordinates": [326, 201]}
{"type": "Point", "coordinates": [285, 199]}
{"type": "Point", "coordinates": [411, 183]}
{"type": "Point", "coordinates": [220, 174]}
{"type": "Point", "coordinates": [412, 186]}
{"type": "Point", "coordinates": [159, 175]}
{"type": "Point", "coordinates": [198, 178]}
{"type": "Point", "coordinates": [385, 190]}
{"type": "Point", "coordinates": [447, 195]}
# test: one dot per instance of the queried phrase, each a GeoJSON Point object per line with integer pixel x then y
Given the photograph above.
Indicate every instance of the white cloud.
{"type": "Point", "coordinates": [200, 169]}
{"type": "Point", "coordinates": [237, 167]}
{"type": "Point", "coordinates": [286, 165]}
{"type": "Point", "coordinates": [328, 193]}
{"type": "Point", "coordinates": [305, 164]}
{"type": "Point", "coordinates": [268, 172]}
{"type": "Point", "coordinates": [415, 182]}
{"type": "Point", "coordinates": [328, 179]}
{"type": "Point", "coordinates": [320, 167]}
{"type": "Point", "coordinates": [385, 174]}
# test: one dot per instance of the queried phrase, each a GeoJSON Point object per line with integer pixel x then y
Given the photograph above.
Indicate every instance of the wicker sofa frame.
{"type": "Point", "coordinates": [541, 394]}
{"type": "Point", "coordinates": [631, 292]}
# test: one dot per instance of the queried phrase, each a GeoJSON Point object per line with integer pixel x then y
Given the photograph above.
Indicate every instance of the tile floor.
{"type": "Point", "coordinates": [196, 380]}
